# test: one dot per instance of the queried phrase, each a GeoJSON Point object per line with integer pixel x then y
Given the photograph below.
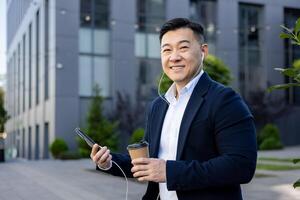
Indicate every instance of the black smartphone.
{"type": "Point", "coordinates": [86, 138]}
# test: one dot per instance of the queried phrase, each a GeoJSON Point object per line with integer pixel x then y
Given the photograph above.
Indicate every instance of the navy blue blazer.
{"type": "Point", "coordinates": [216, 145]}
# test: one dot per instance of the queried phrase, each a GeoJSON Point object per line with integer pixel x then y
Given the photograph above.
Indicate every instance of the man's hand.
{"type": "Point", "coordinates": [101, 157]}
{"type": "Point", "coordinates": [149, 169]}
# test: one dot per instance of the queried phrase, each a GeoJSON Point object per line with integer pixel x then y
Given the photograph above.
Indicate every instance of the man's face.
{"type": "Point", "coordinates": [181, 55]}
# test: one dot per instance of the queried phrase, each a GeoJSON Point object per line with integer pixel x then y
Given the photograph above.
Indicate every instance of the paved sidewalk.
{"type": "Point", "coordinates": [78, 180]}
{"type": "Point", "coordinates": [62, 180]}
{"type": "Point", "coordinates": [275, 185]}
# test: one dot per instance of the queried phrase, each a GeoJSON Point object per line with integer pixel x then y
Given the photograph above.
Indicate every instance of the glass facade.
{"type": "Point", "coordinates": [24, 76]}
{"type": "Point", "coordinates": [29, 64]}
{"type": "Point", "coordinates": [250, 43]}
{"type": "Point", "coordinates": [150, 17]}
{"type": "Point", "coordinates": [46, 25]}
{"type": "Point", "coordinates": [46, 140]}
{"type": "Point", "coordinates": [94, 47]}
{"type": "Point", "coordinates": [37, 64]}
{"type": "Point", "coordinates": [292, 52]}
{"type": "Point", "coordinates": [37, 142]}
{"type": "Point", "coordinates": [205, 13]}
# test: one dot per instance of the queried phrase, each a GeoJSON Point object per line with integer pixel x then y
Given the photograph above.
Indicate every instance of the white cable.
{"type": "Point", "coordinates": [158, 89]}
{"type": "Point", "coordinates": [125, 178]}
{"type": "Point", "coordinates": [157, 196]}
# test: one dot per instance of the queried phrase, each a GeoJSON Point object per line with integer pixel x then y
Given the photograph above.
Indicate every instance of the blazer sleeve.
{"type": "Point", "coordinates": [235, 139]}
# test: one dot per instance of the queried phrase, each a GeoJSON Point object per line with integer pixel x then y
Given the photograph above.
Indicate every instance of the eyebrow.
{"type": "Point", "coordinates": [181, 41]}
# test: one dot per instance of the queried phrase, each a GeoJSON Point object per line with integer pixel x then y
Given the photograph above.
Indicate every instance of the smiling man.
{"type": "Point", "coordinates": [201, 134]}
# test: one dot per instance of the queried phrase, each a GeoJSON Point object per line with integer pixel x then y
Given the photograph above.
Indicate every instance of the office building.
{"type": "Point", "coordinates": [58, 49]}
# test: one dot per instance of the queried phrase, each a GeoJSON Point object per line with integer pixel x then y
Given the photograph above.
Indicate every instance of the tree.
{"type": "Point", "coordinates": [215, 68]}
{"type": "Point", "coordinates": [292, 72]}
{"type": "Point", "coordinates": [98, 127]}
{"type": "Point", "coordinates": [3, 114]}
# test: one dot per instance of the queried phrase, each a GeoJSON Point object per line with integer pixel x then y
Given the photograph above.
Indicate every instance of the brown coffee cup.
{"type": "Point", "coordinates": [138, 150]}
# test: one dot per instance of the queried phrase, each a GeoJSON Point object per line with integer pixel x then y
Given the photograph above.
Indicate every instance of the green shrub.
{"type": "Point", "coordinates": [269, 138]}
{"type": "Point", "coordinates": [67, 155]}
{"type": "Point", "coordinates": [270, 143]}
{"type": "Point", "coordinates": [137, 135]}
{"type": "Point", "coordinates": [58, 147]}
{"type": "Point", "coordinates": [98, 127]}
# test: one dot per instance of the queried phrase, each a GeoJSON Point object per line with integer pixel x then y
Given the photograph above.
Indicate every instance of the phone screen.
{"type": "Point", "coordinates": [84, 136]}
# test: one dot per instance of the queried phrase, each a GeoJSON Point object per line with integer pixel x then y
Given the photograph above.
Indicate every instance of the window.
{"type": "Point", "coordinates": [85, 75]}
{"type": "Point", "coordinates": [94, 22]}
{"type": "Point", "coordinates": [24, 77]}
{"type": "Point", "coordinates": [94, 70]}
{"type": "Point", "coordinates": [37, 64]}
{"type": "Point", "coordinates": [37, 141]}
{"type": "Point", "coordinates": [150, 17]}
{"type": "Point", "coordinates": [46, 140]}
{"type": "Point", "coordinates": [85, 13]}
{"type": "Point", "coordinates": [94, 47]}
{"type": "Point", "coordinates": [46, 83]}
{"type": "Point", "coordinates": [149, 72]}
{"type": "Point", "coordinates": [292, 52]}
{"type": "Point", "coordinates": [18, 79]}
{"type": "Point", "coordinates": [29, 142]}
{"type": "Point", "coordinates": [29, 65]}
{"type": "Point", "coordinates": [101, 74]}
{"type": "Point", "coordinates": [250, 68]}
{"type": "Point", "coordinates": [23, 143]}
{"type": "Point", "coordinates": [204, 12]}
{"type": "Point", "coordinates": [101, 13]}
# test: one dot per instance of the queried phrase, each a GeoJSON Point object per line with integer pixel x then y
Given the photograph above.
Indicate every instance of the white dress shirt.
{"type": "Point", "coordinates": [171, 126]}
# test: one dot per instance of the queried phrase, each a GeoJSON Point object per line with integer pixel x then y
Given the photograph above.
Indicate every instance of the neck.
{"type": "Point", "coordinates": [179, 85]}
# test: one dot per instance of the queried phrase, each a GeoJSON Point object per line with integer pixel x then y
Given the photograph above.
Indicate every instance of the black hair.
{"type": "Point", "coordinates": [177, 23]}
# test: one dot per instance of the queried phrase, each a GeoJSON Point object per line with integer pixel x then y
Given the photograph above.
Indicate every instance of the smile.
{"type": "Point", "coordinates": [177, 67]}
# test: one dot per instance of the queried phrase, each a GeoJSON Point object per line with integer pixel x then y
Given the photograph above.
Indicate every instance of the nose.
{"type": "Point", "coordinates": [175, 56]}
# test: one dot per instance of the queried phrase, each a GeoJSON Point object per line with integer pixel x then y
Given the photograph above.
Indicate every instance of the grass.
{"type": "Point", "coordinates": [275, 167]}
{"type": "Point", "coordinates": [289, 160]}
{"type": "Point", "coordinates": [259, 175]}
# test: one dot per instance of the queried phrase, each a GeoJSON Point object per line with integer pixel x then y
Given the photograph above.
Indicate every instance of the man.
{"type": "Point", "coordinates": [201, 134]}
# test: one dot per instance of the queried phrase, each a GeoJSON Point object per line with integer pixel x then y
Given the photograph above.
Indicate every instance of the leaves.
{"type": "Point", "coordinates": [296, 184]}
{"type": "Point", "coordinates": [296, 160]}
{"type": "Point", "coordinates": [297, 27]}
{"type": "Point", "coordinates": [283, 86]}
{"type": "Point", "coordinates": [285, 36]}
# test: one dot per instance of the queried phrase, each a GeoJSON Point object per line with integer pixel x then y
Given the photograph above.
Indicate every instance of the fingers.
{"type": "Point", "coordinates": [100, 156]}
{"type": "Point", "coordinates": [141, 161]}
{"type": "Point", "coordinates": [149, 169]}
{"type": "Point", "coordinates": [104, 157]}
{"type": "Point", "coordinates": [137, 168]}
{"type": "Point", "coordinates": [94, 150]}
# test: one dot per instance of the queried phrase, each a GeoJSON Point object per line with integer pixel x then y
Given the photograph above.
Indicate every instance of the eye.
{"type": "Point", "coordinates": [184, 47]}
{"type": "Point", "coordinates": [166, 50]}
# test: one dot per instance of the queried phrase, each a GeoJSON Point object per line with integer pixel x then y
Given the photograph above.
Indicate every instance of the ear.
{"type": "Point", "coordinates": [204, 49]}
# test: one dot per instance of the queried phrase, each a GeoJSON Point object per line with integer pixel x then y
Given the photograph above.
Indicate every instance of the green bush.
{"type": "Point", "coordinates": [58, 147]}
{"type": "Point", "coordinates": [98, 127]}
{"type": "Point", "coordinates": [67, 155]}
{"type": "Point", "coordinates": [269, 138]}
{"type": "Point", "coordinates": [270, 144]}
{"type": "Point", "coordinates": [137, 135]}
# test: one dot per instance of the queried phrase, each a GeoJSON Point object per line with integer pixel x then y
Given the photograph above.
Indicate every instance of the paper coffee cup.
{"type": "Point", "coordinates": [138, 150]}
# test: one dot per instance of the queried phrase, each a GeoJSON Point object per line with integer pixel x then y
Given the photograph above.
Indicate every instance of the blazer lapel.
{"type": "Point", "coordinates": [192, 108]}
{"type": "Point", "coordinates": [158, 118]}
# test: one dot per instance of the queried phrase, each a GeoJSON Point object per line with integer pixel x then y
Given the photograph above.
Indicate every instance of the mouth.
{"type": "Point", "coordinates": [176, 67]}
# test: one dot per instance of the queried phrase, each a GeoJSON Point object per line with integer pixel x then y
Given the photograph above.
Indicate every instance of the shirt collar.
{"type": "Point", "coordinates": [187, 89]}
